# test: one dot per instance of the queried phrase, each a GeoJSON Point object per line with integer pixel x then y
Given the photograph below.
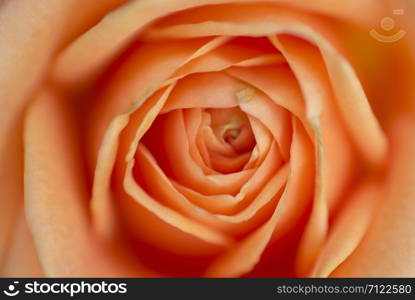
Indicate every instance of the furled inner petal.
{"type": "Point", "coordinates": [184, 169]}
{"type": "Point", "coordinates": [161, 188]}
{"type": "Point", "coordinates": [242, 257]}
{"type": "Point", "coordinates": [253, 185]}
{"type": "Point", "coordinates": [193, 120]}
{"type": "Point", "coordinates": [275, 118]}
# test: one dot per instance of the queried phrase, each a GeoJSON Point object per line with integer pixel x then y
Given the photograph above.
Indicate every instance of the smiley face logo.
{"type": "Point", "coordinates": [387, 24]}
{"type": "Point", "coordinates": [11, 290]}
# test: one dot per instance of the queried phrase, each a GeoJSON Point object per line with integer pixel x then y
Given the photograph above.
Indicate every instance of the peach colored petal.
{"type": "Point", "coordinates": [211, 140]}
{"type": "Point", "coordinates": [21, 259]}
{"type": "Point", "coordinates": [193, 122]}
{"type": "Point", "coordinates": [186, 171]}
{"type": "Point", "coordinates": [102, 205]}
{"type": "Point", "coordinates": [264, 141]}
{"type": "Point", "coordinates": [244, 141]}
{"type": "Point", "coordinates": [204, 90]}
{"type": "Point", "coordinates": [275, 118]}
{"type": "Point", "coordinates": [262, 136]}
{"type": "Point", "coordinates": [227, 165]}
{"type": "Point", "coordinates": [127, 92]}
{"type": "Point", "coordinates": [162, 189]}
{"type": "Point", "coordinates": [347, 229]}
{"type": "Point", "coordinates": [226, 204]}
{"type": "Point", "coordinates": [354, 107]}
{"type": "Point", "coordinates": [155, 62]}
{"type": "Point", "coordinates": [141, 211]}
{"type": "Point", "coordinates": [196, 237]}
{"type": "Point", "coordinates": [277, 82]}
{"type": "Point", "coordinates": [55, 197]}
{"type": "Point", "coordinates": [227, 55]}
{"type": "Point", "coordinates": [244, 256]}
{"type": "Point", "coordinates": [387, 250]}
{"type": "Point", "coordinates": [24, 59]}
{"type": "Point", "coordinates": [105, 40]}
{"type": "Point", "coordinates": [167, 216]}
{"type": "Point", "coordinates": [266, 21]}
{"type": "Point", "coordinates": [334, 168]}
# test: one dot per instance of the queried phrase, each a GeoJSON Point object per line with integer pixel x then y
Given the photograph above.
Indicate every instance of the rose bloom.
{"type": "Point", "coordinates": [215, 138]}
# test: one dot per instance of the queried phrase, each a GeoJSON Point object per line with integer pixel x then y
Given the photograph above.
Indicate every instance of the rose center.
{"type": "Point", "coordinates": [231, 134]}
{"type": "Point", "coordinates": [232, 128]}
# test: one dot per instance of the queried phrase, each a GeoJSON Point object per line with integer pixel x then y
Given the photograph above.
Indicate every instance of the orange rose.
{"type": "Point", "coordinates": [207, 138]}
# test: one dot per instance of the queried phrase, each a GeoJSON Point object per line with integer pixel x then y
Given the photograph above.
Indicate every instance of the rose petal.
{"type": "Point", "coordinates": [245, 255]}
{"type": "Point", "coordinates": [277, 82]}
{"type": "Point", "coordinates": [334, 169]}
{"type": "Point", "coordinates": [53, 163]}
{"type": "Point", "coordinates": [193, 119]}
{"type": "Point", "coordinates": [227, 55]}
{"type": "Point", "coordinates": [25, 55]}
{"type": "Point", "coordinates": [160, 225]}
{"type": "Point", "coordinates": [348, 229]}
{"type": "Point", "coordinates": [226, 204]}
{"type": "Point", "coordinates": [122, 98]}
{"type": "Point", "coordinates": [101, 202]}
{"type": "Point", "coordinates": [264, 141]}
{"type": "Point", "coordinates": [126, 86]}
{"type": "Point", "coordinates": [141, 211]}
{"type": "Point", "coordinates": [387, 248]}
{"type": "Point", "coordinates": [105, 40]}
{"type": "Point", "coordinates": [204, 90]}
{"type": "Point", "coordinates": [21, 258]}
{"type": "Point", "coordinates": [186, 172]}
{"type": "Point", "coordinates": [227, 165]}
{"type": "Point", "coordinates": [247, 21]}
{"type": "Point", "coordinates": [274, 117]}
{"type": "Point", "coordinates": [162, 189]}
